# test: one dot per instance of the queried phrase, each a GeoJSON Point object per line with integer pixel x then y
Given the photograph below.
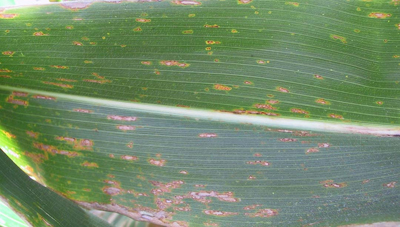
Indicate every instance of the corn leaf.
{"type": "Point", "coordinates": [215, 113]}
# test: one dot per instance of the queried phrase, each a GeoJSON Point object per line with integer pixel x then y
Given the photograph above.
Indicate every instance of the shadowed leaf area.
{"type": "Point", "coordinates": [204, 113]}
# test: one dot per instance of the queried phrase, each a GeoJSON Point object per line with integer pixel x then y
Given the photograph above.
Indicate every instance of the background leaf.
{"type": "Point", "coordinates": [9, 218]}
{"type": "Point", "coordinates": [207, 112]}
{"type": "Point", "coordinates": [40, 206]}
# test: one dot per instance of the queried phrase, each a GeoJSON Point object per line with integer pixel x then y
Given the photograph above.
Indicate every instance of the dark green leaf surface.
{"type": "Point", "coordinates": [208, 113]}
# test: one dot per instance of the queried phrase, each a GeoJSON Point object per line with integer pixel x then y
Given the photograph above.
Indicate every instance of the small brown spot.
{"type": "Point", "coordinates": [365, 181]}
{"type": "Point", "coordinates": [174, 63]}
{"type": "Point", "coordinates": [212, 42]}
{"type": "Point", "coordinates": [397, 25]}
{"type": "Point", "coordinates": [8, 53]}
{"type": "Point", "coordinates": [258, 162]}
{"type": "Point", "coordinates": [295, 4]}
{"type": "Point", "coordinates": [98, 76]}
{"type": "Point", "coordinates": [319, 77]}
{"type": "Point", "coordinates": [39, 68]}
{"type": "Point", "coordinates": [244, 1]}
{"type": "Point", "coordinates": [5, 71]}
{"type": "Point", "coordinates": [323, 145]}
{"type": "Point", "coordinates": [126, 127]}
{"type": "Point", "coordinates": [264, 106]}
{"type": "Point", "coordinates": [335, 116]}
{"type": "Point", "coordinates": [129, 157]}
{"type": "Point", "coordinates": [130, 145]}
{"type": "Point", "coordinates": [248, 82]}
{"type": "Point", "coordinates": [220, 213]}
{"type": "Point", "coordinates": [66, 80]}
{"type": "Point", "coordinates": [69, 27]}
{"type": "Point", "coordinates": [121, 118]}
{"type": "Point", "coordinates": [8, 135]}
{"type": "Point", "coordinates": [221, 87]}
{"type": "Point", "coordinates": [111, 155]}
{"type": "Point", "coordinates": [137, 29]}
{"type": "Point", "coordinates": [251, 177]}
{"type": "Point", "coordinates": [5, 76]}
{"type": "Point", "coordinates": [97, 81]}
{"type": "Point", "coordinates": [8, 16]}
{"type": "Point", "coordinates": [59, 66]}
{"type": "Point", "coordinates": [234, 31]}
{"type": "Point", "coordinates": [183, 172]}
{"type": "Point", "coordinates": [32, 134]}
{"type": "Point", "coordinates": [337, 37]}
{"type": "Point", "coordinates": [155, 162]}
{"type": "Point", "coordinates": [299, 111]}
{"type": "Point", "coordinates": [390, 184]}
{"type": "Point", "coordinates": [251, 207]}
{"type": "Point", "coordinates": [186, 2]}
{"type": "Point", "coordinates": [43, 97]}
{"type": "Point", "coordinates": [76, 43]}
{"type": "Point", "coordinates": [185, 208]}
{"type": "Point", "coordinates": [288, 140]}
{"type": "Point", "coordinates": [282, 89]}
{"type": "Point", "coordinates": [146, 62]}
{"type": "Point", "coordinates": [211, 26]}
{"type": "Point", "coordinates": [58, 84]}
{"type": "Point", "coordinates": [82, 110]}
{"type": "Point", "coordinates": [87, 189]}
{"type": "Point", "coordinates": [143, 20]}
{"type": "Point", "coordinates": [207, 135]}
{"type": "Point", "coordinates": [20, 102]}
{"type": "Point", "coordinates": [165, 187]}
{"type": "Point", "coordinates": [257, 155]}
{"type": "Point", "coordinates": [312, 150]}
{"type": "Point", "coordinates": [263, 213]}
{"type": "Point", "coordinates": [202, 196]}
{"type": "Point", "coordinates": [90, 164]}
{"type": "Point", "coordinates": [304, 134]}
{"type": "Point", "coordinates": [54, 150]}
{"type": "Point", "coordinates": [322, 101]}
{"type": "Point", "coordinates": [20, 94]}
{"type": "Point", "coordinates": [37, 158]}
{"type": "Point", "coordinates": [111, 190]}
{"type": "Point", "coordinates": [331, 184]}
{"type": "Point", "coordinates": [200, 185]}
{"type": "Point", "coordinates": [273, 101]}
{"type": "Point", "coordinates": [379, 102]}
{"type": "Point", "coordinates": [262, 62]}
{"type": "Point", "coordinates": [379, 15]}
{"type": "Point", "coordinates": [163, 203]}
{"type": "Point", "coordinates": [39, 34]}
{"type": "Point", "coordinates": [81, 144]}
